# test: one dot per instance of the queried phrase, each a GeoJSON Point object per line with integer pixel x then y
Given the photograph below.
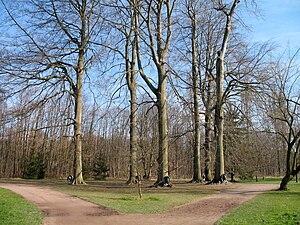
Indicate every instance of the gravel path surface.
{"type": "Point", "coordinates": [63, 209]}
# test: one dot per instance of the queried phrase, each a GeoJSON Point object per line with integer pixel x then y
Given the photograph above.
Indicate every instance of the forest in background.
{"type": "Point", "coordinates": [134, 86]}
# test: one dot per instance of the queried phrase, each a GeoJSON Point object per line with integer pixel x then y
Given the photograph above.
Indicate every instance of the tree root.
{"type": "Point", "coordinates": [219, 180]}
{"type": "Point", "coordinates": [164, 183]}
{"type": "Point", "coordinates": [196, 181]}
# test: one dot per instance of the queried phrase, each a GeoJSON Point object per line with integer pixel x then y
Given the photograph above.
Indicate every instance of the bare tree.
{"type": "Point", "coordinates": [131, 71]}
{"type": "Point", "coordinates": [200, 35]}
{"type": "Point", "coordinates": [53, 53]}
{"type": "Point", "coordinates": [284, 110]}
{"type": "Point", "coordinates": [191, 8]}
{"type": "Point", "coordinates": [129, 15]}
{"type": "Point", "coordinates": [156, 38]}
{"type": "Point", "coordinates": [219, 113]}
{"type": "Point", "coordinates": [211, 36]}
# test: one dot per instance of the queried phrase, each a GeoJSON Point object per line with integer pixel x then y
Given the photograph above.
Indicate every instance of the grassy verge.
{"type": "Point", "coordinates": [270, 208]}
{"type": "Point", "coordinates": [16, 210]}
{"type": "Point", "coordinates": [125, 198]}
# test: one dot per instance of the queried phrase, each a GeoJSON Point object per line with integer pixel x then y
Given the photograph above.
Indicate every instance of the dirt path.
{"type": "Point", "coordinates": [62, 209]}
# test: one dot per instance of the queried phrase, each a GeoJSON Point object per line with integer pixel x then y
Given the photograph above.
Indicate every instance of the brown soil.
{"type": "Point", "coordinates": [62, 209]}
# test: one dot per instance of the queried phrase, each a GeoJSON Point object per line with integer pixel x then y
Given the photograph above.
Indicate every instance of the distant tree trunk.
{"type": "Point", "coordinates": [219, 112]}
{"type": "Point", "coordinates": [295, 160]}
{"type": "Point", "coordinates": [148, 139]}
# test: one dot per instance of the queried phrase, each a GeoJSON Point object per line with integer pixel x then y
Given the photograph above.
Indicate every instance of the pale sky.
{"type": "Point", "coordinates": [280, 22]}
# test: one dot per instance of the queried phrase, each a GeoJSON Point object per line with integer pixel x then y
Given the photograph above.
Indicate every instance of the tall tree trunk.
{"type": "Point", "coordinates": [219, 117]}
{"type": "Point", "coordinates": [159, 29]}
{"type": "Point", "coordinates": [133, 122]}
{"type": "Point", "coordinates": [207, 98]}
{"type": "Point", "coordinates": [78, 177]}
{"type": "Point", "coordinates": [131, 83]}
{"type": "Point", "coordinates": [208, 141]}
{"type": "Point", "coordinates": [133, 135]}
{"type": "Point", "coordinates": [196, 113]}
{"type": "Point", "coordinates": [219, 112]}
{"type": "Point", "coordinates": [80, 71]}
{"type": "Point", "coordinates": [163, 164]}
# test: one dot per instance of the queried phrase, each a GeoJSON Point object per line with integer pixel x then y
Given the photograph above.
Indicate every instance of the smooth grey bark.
{"type": "Point", "coordinates": [219, 110]}
{"type": "Point", "coordinates": [132, 86]}
{"type": "Point", "coordinates": [163, 163]}
{"type": "Point", "coordinates": [78, 89]}
{"type": "Point", "coordinates": [196, 111]}
{"type": "Point", "coordinates": [208, 140]}
{"type": "Point", "coordinates": [159, 37]}
{"type": "Point", "coordinates": [133, 133]}
{"type": "Point", "coordinates": [78, 177]}
{"type": "Point", "coordinates": [208, 98]}
{"type": "Point", "coordinates": [219, 121]}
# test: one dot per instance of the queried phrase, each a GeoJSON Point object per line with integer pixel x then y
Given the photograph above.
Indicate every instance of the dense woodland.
{"type": "Point", "coordinates": [151, 88]}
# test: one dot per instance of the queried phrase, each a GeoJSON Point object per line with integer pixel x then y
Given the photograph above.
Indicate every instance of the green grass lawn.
{"type": "Point", "coordinates": [15, 210]}
{"type": "Point", "coordinates": [276, 207]}
{"type": "Point", "coordinates": [126, 199]}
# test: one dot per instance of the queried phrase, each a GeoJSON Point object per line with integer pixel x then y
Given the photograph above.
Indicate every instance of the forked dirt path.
{"type": "Point", "coordinates": [63, 209]}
